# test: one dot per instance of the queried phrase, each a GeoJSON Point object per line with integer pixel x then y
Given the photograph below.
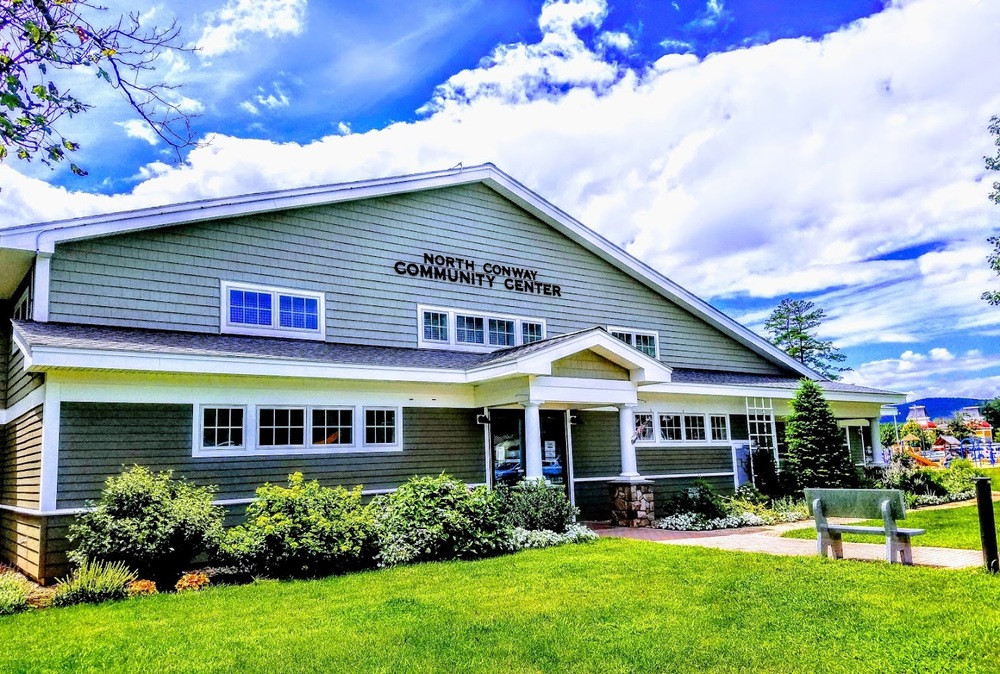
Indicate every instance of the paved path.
{"type": "Point", "coordinates": [768, 540]}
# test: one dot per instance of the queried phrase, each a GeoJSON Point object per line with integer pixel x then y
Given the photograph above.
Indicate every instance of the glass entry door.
{"type": "Point", "coordinates": [553, 423]}
{"type": "Point", "coordinates": [507, 441]}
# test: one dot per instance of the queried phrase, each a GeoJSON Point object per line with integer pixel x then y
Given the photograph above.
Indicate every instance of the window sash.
{"type": "Point", "coordinates": [223, 427]}
{"type": "Point", "coordinates": [694, 427]}
{"type": "Point", "coordinates": [644, 427]}
{"type": "Point", "coordinates": [671, 427]}
{"type": "Point", "coordinates": [470, 329]}
{"type": "Point", "coordinates": [380, 426]}
{"type": "Point", "coordinates": [720, 427]}
{"type": "Point", "coordinates": [281, 427]}
{"type": "Point", "coordinates": [331, 426]}
{"type": "Point", "coordinates": [501, 332]}
{"type": "Point", "coordinates": [435, 326]}
{"type": "Point", "coordinates": [531, 332]}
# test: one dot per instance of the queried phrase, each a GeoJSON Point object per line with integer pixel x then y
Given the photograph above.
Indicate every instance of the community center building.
{"type": "Point", "coordinates": [364, 333]}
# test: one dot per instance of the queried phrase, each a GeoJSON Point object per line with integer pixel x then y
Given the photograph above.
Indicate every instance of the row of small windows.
{"type": "Point", "coordinates": [224, 428]}
{"type": "Point", "coordinates": [681, 427]}
{"type": "Point", "coordinates": [644, 341]}
{"type": "Point", "coordinates": [443, 327]}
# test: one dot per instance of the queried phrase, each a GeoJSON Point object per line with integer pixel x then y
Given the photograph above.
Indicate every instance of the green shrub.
{"type": "Point", "coordinates": [94, 582]}
{"type": "Point", "coordinates": [14, 590]}
{"type": "Point", "coordinates": [535, 506]}
{"type": "Point", "coordinates": [697, 500]}
{"type": "Point", "coordinates": [431, 518]}
{"type": "Point", "coordinates": [150, 522]}
{"type": "Point", "coordinates": [958, 477]}
{"type": "Point", "coordinates": [303, 530]}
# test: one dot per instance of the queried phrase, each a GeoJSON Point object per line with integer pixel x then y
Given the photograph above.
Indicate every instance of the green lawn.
{"type": "Point", "coordinates": [946, 528]}
{"type": "Point", "coordinates": [994, 474]}
{"type": "Point", "coordinates": [611, 606]}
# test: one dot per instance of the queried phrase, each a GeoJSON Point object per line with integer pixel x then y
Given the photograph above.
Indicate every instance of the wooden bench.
{"type": "Point", "coordinates": [884, 504]}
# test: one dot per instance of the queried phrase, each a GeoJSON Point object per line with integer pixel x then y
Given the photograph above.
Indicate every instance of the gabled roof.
{"type": "Point", "coordinates": [43, 237]}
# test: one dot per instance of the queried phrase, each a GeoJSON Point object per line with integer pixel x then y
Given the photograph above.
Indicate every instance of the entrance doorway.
{"type": "Point", "coordinates": [507, 441]}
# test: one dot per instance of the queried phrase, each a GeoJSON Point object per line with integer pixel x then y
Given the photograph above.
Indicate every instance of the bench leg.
{"type": "Point", "coordinates": [898, 549]}
{"type": "Point", "coordinates": [827, 540]}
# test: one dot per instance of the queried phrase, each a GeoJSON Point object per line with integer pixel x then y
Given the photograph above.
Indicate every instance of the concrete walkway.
{"type": "Point", "coordinates": [768, 540]}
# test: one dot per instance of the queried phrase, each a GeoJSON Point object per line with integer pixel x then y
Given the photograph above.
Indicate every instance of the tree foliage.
{"type": "Point", "coordinates": [993, 164]}
{"type": "Point", "coordinates": [790, 327]}
{"type": "Point", "coordinates": [925, 437]}
{"type": "Point", "coordinates": [817, 451]}
{"type": "Point", "coordinates": [991, 412]}
{"type": "Point", "coordinates": [958, 426]}
{"type": "Point", "coordinates": [42, 40]}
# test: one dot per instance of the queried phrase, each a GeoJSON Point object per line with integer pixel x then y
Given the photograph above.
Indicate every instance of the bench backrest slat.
{"type": "Point", "coordinates": [864, 503]}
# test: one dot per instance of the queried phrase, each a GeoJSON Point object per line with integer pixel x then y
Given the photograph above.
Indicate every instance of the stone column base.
{"type": "Point", "coordinates": [631, 503]}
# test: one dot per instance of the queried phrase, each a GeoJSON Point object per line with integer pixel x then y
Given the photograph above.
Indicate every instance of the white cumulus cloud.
{"type": "Point", "coordinates": [230, 25]}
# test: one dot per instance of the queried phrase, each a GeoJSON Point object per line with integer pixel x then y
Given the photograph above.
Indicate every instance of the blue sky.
{"type": "Point", "coordinates": [750, 150]}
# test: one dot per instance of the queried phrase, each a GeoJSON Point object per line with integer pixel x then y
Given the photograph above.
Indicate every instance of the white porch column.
{"type": "Point", "coordinates": [876, 442]}
{"type": "Point", "coordinates": [626, 429]}
{"type": "Point", "coordinates": [532, 442]}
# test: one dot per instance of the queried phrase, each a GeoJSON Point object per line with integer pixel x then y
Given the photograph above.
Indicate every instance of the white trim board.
{"type": "Point", "coordinates": [672, 476]}
{"type": "Point", "coordinates": [23, 406]}
{"type": "Point", "coordinates": [43, 237]}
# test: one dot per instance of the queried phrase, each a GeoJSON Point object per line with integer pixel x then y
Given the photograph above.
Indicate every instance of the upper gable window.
{"type": "Point", "coordinates": [272, 312]}
{"type": "Point", "coordinates": [474, 331]}
{"type": "Point", "coordinates": [646, 341]}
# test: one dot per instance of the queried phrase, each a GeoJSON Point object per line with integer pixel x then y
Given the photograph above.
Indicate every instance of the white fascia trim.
{"type": "Point", "coordinates": [765, 392]}
{"type": "Point", "coordinates": [40, 292]}
{"type": "Point", "coordinates": [45, 236]}
{"type": "Point", "coordinates": [56, 357]}
{"type": "Point", "coordinates": [566, 224]}
{"type": "Point", "coordinates": [23, 406]}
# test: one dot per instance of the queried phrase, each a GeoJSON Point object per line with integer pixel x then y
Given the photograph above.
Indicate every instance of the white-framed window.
{"type": "Point", "coordinates": [671, 427]}
{"type": "Point", "coordinates": [223, 427]}
{"type": "Point", "coordinates": [469, 329]}
{"type": "Point", "coordinates": [643, 427]}
{"type": "Point", "coordinates": [532, 332]}
{"type": "Point", "coordinates": [332, 426]}
{"type": "Point", "coordinates": [266, 311]}
{"type": "Point", "coordinates": [688, 428]}
{"type": "Point", "coordinates": [647, 341]}
{"type": "Point", "coordinates": [281, 427]}
{"type": "Point", "coordinates": [380, 426]}
{"type": "Point", "coordinates": [720, 427]}
{"type": "Point", "coordinates": [694, 427]}
{"type": "Point", "coordinates": [273, 430]}
{"type": "Point", "coordinates": [501, 332]}
{"type": "Point", "coordinates": [435, 326]}
{"type": "Point", "coordinates": [446, 328]}
{"type": "Point", "coordinates": [22, 307]}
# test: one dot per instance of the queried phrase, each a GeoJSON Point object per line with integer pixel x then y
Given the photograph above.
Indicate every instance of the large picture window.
{"type": "Point", "coordinates": [265, 311]}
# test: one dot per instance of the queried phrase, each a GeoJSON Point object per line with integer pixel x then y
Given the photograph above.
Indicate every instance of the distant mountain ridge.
{"type": "Point", "coordinates": [937, 408]}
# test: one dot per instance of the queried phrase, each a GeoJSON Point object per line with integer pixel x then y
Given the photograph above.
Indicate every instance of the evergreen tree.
{"type": "Point", "coordinates": [817, 451]}
{"type": "Point", "coordinates": [789, 328]}
{"type": "Point", "coordinates": [990, 410]}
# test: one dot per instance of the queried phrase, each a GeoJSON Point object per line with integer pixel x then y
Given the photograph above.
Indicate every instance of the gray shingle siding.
{"type": "Point", "coordinates": [169, 278]}
{"type": "Point", "coordinates": [97, 439]}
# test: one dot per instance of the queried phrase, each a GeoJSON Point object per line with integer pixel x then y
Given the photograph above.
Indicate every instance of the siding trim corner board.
{"type": "Point", "coordinates": [365, 333]}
